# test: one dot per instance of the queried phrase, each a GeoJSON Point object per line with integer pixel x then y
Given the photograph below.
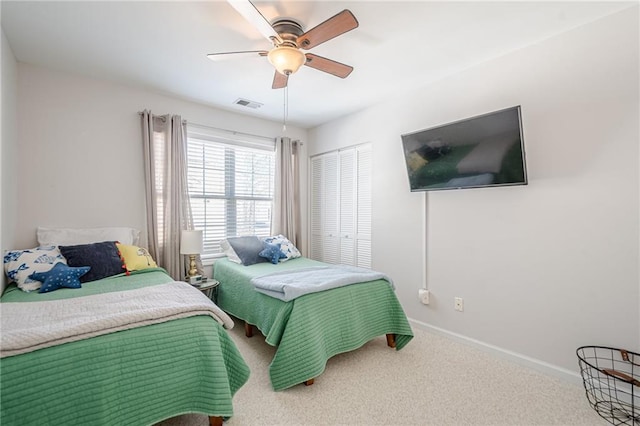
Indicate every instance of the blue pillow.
{"type": "Point", "coordinates": [59, 276]}
{"type": "Point", "coordinates": [103, 258]}
{"type": "Point", "coordinates": [272, 252]}
{"type": "Point", "coordinates": [248, 249]}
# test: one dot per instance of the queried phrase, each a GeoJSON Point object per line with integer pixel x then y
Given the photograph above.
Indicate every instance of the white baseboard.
{"type": "Point", "coordinates": [535, 364]}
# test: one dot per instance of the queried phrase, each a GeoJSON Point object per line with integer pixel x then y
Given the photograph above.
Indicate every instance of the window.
{"type": "Point", "coordinates": [231, 180]}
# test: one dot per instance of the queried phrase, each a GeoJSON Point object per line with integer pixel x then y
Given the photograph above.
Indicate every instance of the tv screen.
{"type": "Point", "coordinates": [482, 151]}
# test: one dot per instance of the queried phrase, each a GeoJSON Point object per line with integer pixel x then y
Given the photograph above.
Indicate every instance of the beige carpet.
{"type": "Point", "coordinates": [432, 381]}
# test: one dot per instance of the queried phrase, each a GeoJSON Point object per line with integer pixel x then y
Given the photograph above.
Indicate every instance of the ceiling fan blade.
{"type": "Point", "coordinates": [279, 81]}
{"type": "Point", "coordinates": [327, 65]}
{"type": "Point", "coordinates": [228, 55]}
{"type": "Point", "coordinates": [332, 27]}
{"type": "Point", "coordinates": [253, 15]}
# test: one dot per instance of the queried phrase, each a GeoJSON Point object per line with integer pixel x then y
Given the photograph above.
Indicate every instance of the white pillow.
{"type": "Point", "coordinates": [229, 251]}
{"type": "Point", "coordinates": [75, 236]}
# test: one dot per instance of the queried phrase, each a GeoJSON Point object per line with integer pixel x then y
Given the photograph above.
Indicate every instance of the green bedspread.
{"type": "Point", "coordinates": [310, 329]}
{"type": "Point", "coordinates": [134, 377]}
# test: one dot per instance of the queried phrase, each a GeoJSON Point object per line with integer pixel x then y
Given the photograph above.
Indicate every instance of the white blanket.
{"type": "Point", "coordinates": [287, 285]}
{"type": "Point", "coordinates": [28, 326]}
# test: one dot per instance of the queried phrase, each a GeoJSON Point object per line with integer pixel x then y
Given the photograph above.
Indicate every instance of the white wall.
{"type": "Point", "coordinates": [8, 149]}
{"type": "Point", "coordinates": [542, 268]}
{"type": "Point", "coordinates": [80, 153]}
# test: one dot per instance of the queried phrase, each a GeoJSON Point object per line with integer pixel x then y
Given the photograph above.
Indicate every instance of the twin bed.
{"type": "Point", "coordinates": [133, 376]}
{"type": "Point", "coordinates": [143, 369]}
{"type": "Point", "coordinates": [312, 328]}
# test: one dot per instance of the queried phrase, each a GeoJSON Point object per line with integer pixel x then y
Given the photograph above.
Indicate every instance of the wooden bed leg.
{"type": "Point", "coordinates": [215, 421]}
{"type": "Point", "coordinates": [248, 329]}
{"type": "Point", "coordinates": [391, 340]}
{"type": "Point", "coordinates": [309, 382]}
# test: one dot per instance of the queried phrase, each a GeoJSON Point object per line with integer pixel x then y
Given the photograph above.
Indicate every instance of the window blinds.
{"type": "Point", "coordinates": [231, 185]}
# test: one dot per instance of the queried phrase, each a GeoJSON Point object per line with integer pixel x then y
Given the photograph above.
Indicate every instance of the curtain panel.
{"type": "Point", "coordinates": [168, 208]}
{"type": "Point", "coordinates": [285, 219]}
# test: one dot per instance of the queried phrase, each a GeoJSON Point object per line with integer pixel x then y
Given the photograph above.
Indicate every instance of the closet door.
{"type": "Point", "coordinates": [315, 209]}
{"type": "Point", "coordinates": [363, 201]}
{"type": "Point", "coordinates": [348, 206]}
{"type": "Point", "coordinates": [331, 210]}
{"type": "Point", "coordinates": [324, 208]}
{"type": "Point", "coordinates": [340, 206]}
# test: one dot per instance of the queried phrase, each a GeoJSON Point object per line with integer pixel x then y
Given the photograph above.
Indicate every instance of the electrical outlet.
{"type": "Point", "coordinates": [458, 304]}
{"type": "Point", "coordinates": [423, 295]}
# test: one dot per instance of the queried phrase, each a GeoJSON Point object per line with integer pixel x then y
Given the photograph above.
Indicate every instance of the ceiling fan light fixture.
{"type": "Point", "coordinates": [286, 59]}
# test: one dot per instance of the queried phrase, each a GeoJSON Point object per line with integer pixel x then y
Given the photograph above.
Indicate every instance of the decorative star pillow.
{"type": "Point", "coordinates": [272, 252]}
{"type": "Point", "coordinates": [60, 276]}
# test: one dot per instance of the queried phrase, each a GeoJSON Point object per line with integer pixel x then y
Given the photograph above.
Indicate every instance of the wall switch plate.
{"type": "Point", "coordinates": [458, 304]}
{"type": "Point", "coordinates": [423, 295]}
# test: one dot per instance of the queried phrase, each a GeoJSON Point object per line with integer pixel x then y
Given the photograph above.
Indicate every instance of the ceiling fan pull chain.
{"type": "Point", "coordinates": [285, 113]}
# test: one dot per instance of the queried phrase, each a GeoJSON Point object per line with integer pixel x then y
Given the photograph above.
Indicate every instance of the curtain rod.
{"type": "Point", "coordinates": [234, 132]}
{"type": "Point", "coordinates": [161, 117]}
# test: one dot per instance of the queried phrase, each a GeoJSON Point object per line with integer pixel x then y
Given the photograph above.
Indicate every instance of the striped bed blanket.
{"type": "Point", "coordinates": [28, 326]}
{"type": "Point", "coordinates": [289, 285]}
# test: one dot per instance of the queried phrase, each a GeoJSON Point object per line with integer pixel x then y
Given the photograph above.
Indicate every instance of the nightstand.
{"type": "Point", "coordinates": [209, 287]}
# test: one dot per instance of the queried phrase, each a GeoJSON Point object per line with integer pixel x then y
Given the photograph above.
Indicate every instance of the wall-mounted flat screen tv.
{"type": "Point", "coordinates": [482, 151]}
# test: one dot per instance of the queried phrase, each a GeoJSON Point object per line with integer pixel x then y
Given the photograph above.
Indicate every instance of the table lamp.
{"type": "Point", "coordinates": [191, 245]}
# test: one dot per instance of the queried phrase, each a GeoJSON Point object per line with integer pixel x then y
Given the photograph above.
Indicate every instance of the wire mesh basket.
{"type": "Point", "coordinates": [611, 380]}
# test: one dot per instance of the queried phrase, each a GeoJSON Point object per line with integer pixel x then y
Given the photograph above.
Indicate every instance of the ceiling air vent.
{"type": "Point", "coordinates": [247, 103]}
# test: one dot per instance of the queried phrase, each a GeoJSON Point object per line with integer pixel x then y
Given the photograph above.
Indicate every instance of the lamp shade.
{"type": "Point", "coordinates": [286, 59]}
{"type": "Point", "coordinates": [191, 242]}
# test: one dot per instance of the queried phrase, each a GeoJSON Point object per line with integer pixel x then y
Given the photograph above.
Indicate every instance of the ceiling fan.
{"type": "Point", "coordinates": [289, 39]}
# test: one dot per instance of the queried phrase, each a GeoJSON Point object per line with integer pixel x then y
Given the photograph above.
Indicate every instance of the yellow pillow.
{"type": "Point", "coordinates": [136, 258]}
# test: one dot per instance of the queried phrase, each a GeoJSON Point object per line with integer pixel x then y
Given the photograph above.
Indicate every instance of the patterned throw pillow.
{"type": "Point", "coordinates": [19, 264]}
{"type": "Point", "coordinates": [288, 249]}
{"type": "Point", "coordinates": [136, 258]}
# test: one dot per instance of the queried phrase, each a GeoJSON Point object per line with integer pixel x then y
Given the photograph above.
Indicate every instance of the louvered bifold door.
{"type": "Point", "coordinates": [348, 207]}
{"type": "Point", "coordinates": [364, 171]}
{"type": "Point", "coordinates": [331, 210]}
{"type": "Point", "coordinates": [317, 201]}
{"type": "Point", "coordinates": [340, 217]}
{"type": "Point", "coordinates": [324, 208]}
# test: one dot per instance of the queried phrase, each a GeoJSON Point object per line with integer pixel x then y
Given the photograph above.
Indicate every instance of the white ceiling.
{"type": "Point", "coordinates": [398, 46]}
